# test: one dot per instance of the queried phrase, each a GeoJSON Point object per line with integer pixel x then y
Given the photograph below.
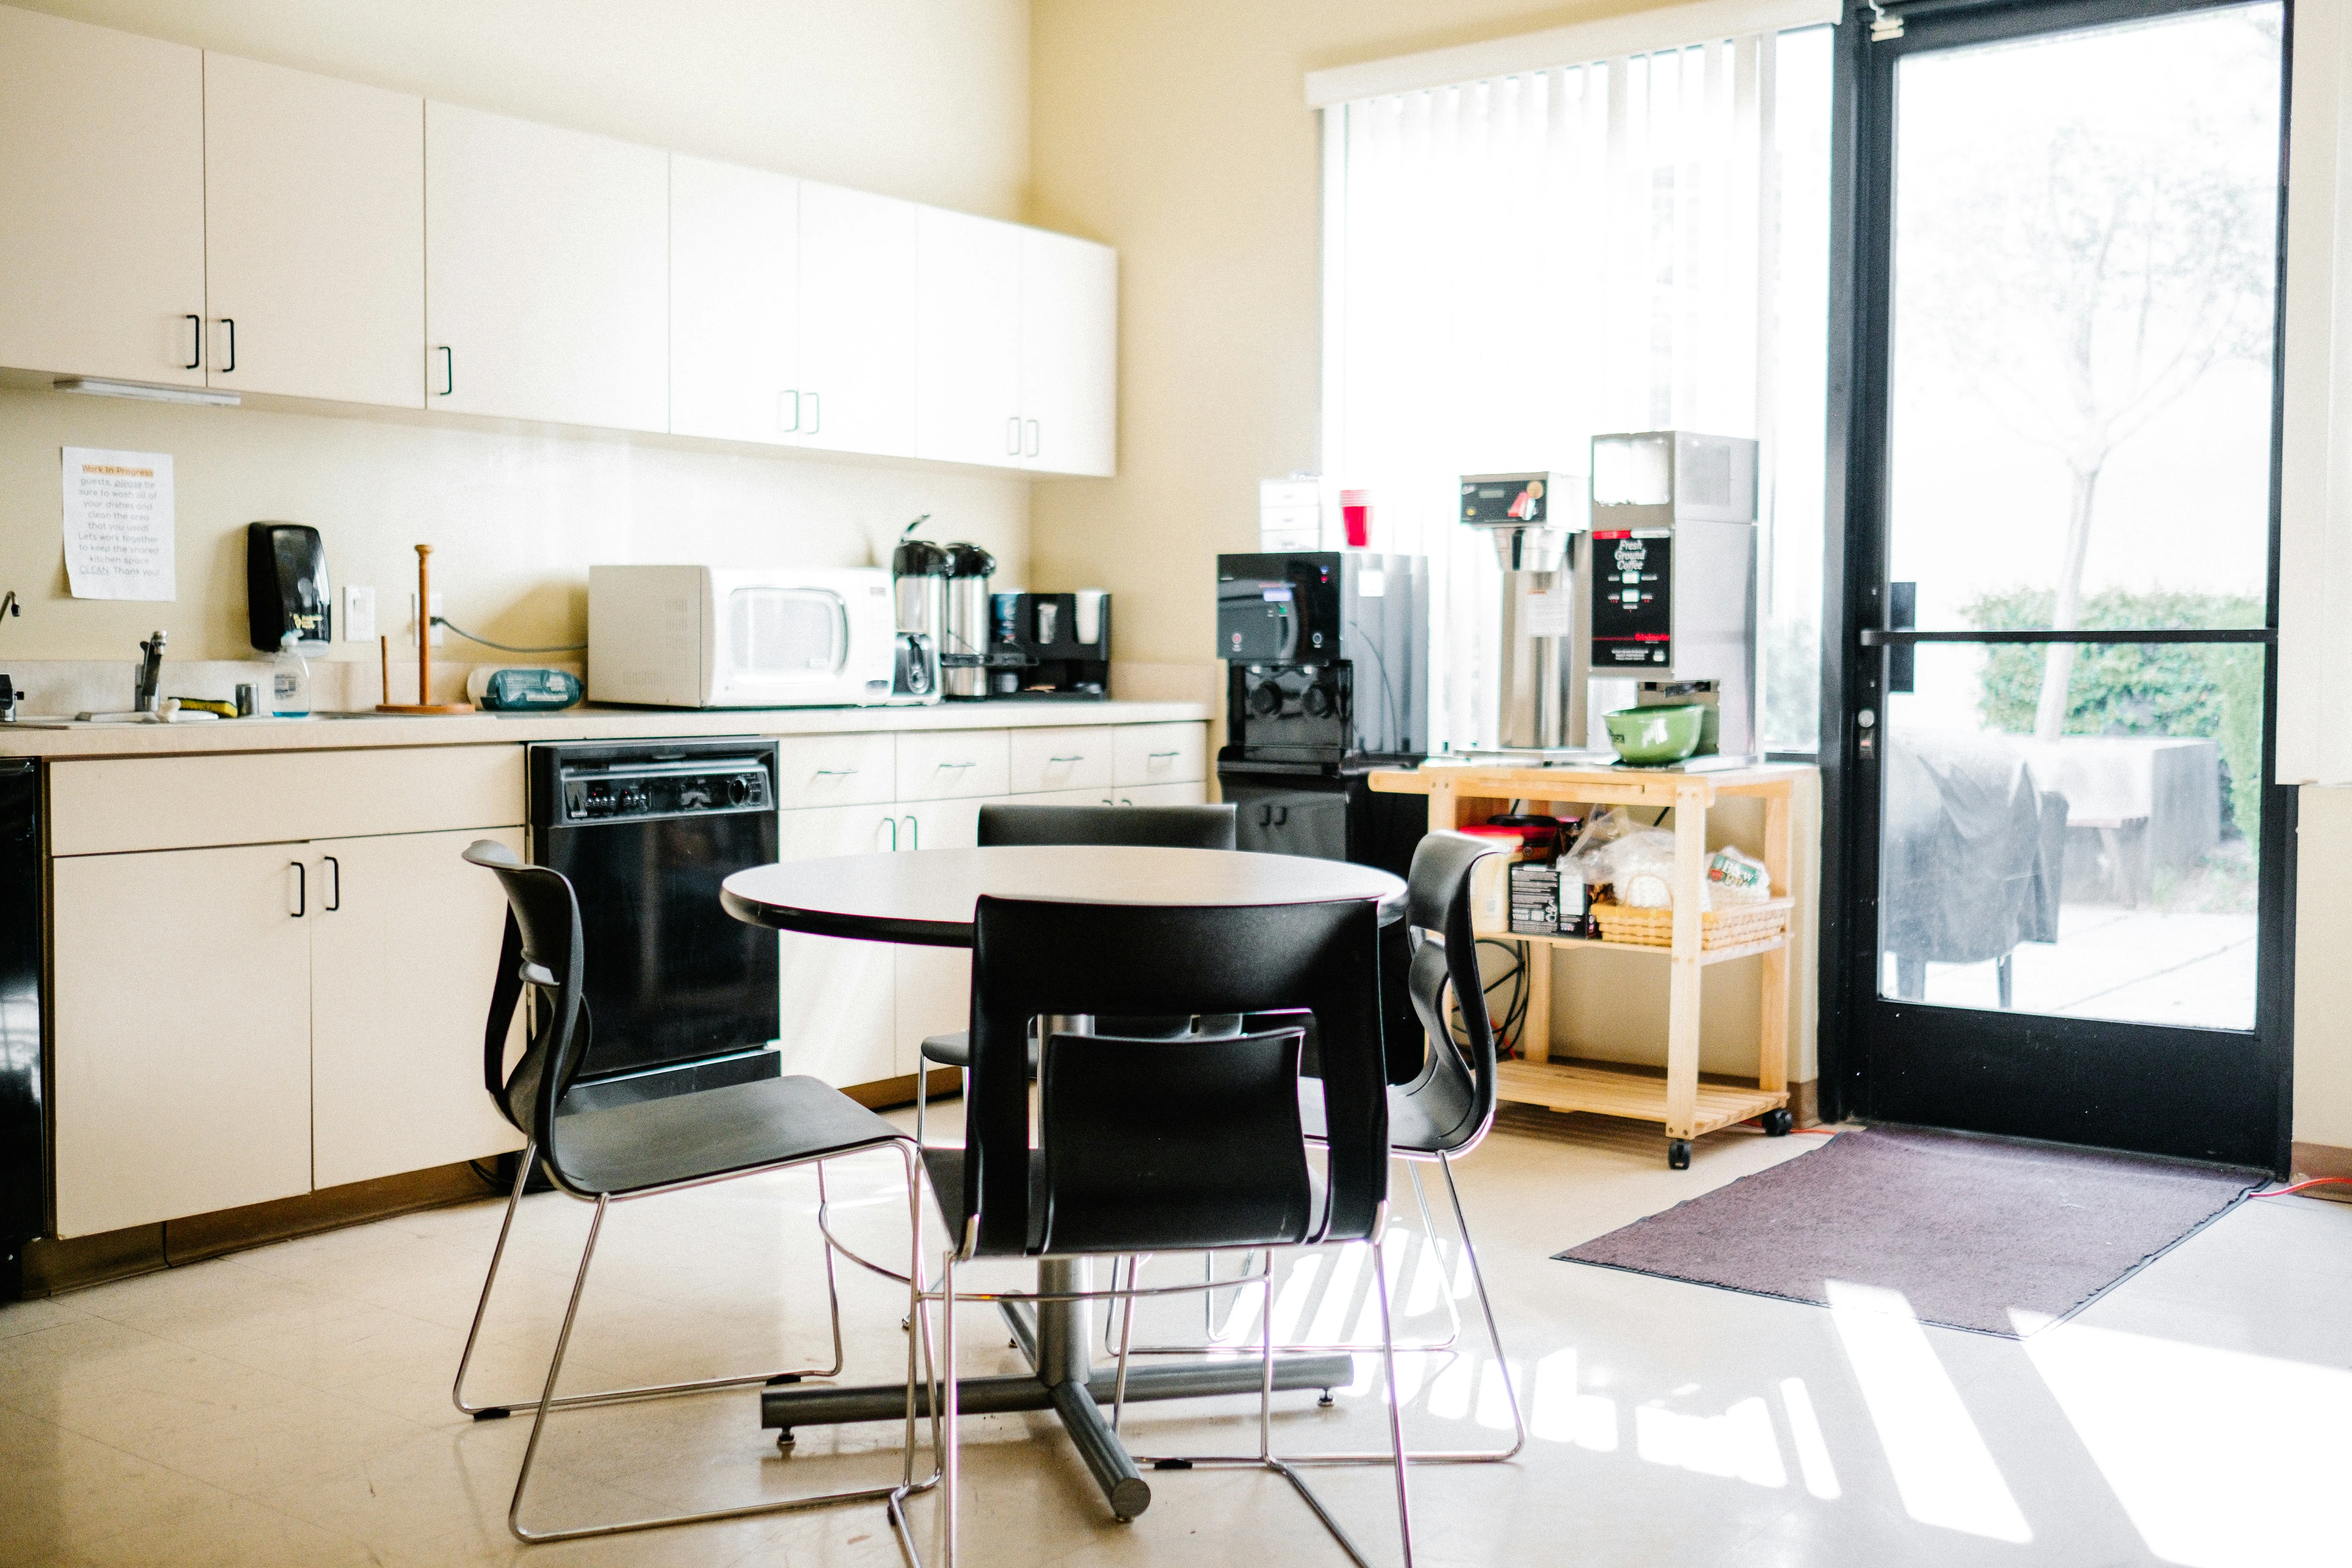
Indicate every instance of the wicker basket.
{"type": "Point", "coordinates": [1738, 926]}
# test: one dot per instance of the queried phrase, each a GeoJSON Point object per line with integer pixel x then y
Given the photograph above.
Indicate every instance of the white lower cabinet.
{"type": "Point", "coordinates": [181, 1048]}
{"type": "Point", "coordinates": [1194, 793]}
{"type": "Point", "coordinates": [404, 954]}
{"type": "Point", "coordinates": [836, 1005]}
{"type": "Point", "coordinates": [933, 985]}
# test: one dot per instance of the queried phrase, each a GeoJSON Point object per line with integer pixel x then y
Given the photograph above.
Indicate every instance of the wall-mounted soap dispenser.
{"type": "Point", "coordinates": [285, 586]}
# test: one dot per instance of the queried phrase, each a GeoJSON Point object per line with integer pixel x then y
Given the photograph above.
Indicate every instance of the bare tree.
{"type": "Point", "coordinates": [2081, 277]}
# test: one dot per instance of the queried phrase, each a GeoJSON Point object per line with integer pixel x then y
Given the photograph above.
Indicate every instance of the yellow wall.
{"type": "Point", "coordinates": [922, 98]}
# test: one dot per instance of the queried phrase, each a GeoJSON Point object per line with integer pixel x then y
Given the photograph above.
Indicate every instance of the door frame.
{"type": "Point", "coordinates": [1854, 579]}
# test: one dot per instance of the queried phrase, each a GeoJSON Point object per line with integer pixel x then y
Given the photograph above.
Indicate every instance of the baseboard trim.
{"type": "Point", "coordinates": [2324, 1160]}
{"type": "Point", "coordinates": [53, 1265]}
{"type": "Point", "coordinates": [888, 1093]}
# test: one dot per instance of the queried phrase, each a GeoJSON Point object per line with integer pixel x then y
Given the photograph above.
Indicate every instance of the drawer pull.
{"type": "Point", "coordinates": [1155, 756]}
{"type": "Point", "coordinates": [833, 773]}
{"type": "Point", "coordinates": [1080, 758]}
{"type": "Point", "coordinates": [959, 764]}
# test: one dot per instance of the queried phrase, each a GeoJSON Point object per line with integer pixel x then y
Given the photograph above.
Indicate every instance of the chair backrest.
{"type": "Point", "coordinates": [1150, 826]}
{"type": "Point", "coordinates": [1155, 827]}
{"type": "Point", "coordinates": [542, 948]}
{"type": "Point", "coordinates": [1221, 1111]}
{"type": "Point", "coordinates": [1456, 1087]}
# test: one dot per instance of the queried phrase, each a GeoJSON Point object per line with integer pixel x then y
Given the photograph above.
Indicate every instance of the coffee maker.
{"type": "Point", "coordinates": [1050, 644]}
{"type": "Point", "coordinates": [1326, 678]}
{"type": "Point", "coordinates": [918, 580]}
{"type": "Point", "coordinates": [1537, 522]}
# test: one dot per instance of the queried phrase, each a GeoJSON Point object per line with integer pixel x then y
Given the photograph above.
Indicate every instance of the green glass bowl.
{"type": "Point", "coordinates": [1653, 737]}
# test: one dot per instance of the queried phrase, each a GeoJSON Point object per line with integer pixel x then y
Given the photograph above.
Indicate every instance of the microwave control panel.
{"type": "Point", "coordinates": [1632, 600]}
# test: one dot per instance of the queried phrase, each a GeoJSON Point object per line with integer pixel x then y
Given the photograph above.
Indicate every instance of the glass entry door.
{"type": "Point", "coordinates": [2069, 870]}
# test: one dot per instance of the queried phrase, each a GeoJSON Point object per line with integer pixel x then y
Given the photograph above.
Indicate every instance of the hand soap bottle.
{"type": "Point", "coordinates": [290, 681]}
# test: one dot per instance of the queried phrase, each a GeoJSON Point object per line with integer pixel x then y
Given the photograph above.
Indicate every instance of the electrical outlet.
{"type": "Point", "coordinates": [359, 614]}
{"type": "Point", "coordinates": [440, 635]}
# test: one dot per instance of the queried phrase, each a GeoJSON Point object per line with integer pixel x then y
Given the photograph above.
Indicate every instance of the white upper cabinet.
{"type": "Point", "coordinates": [101, 202]}
{"type": "Point", "coordinates": [314, 235]}
{"type": "Point", "coordinates": [857, 331]}
{"type": "Point", "coordinates": [546, 272]}
{"type": "Point", "coordinates": [1070, 354]}
{"type": "Point", "coordinates": [734, 308]}
{"type": "Point", "coordinates": [968, 399]}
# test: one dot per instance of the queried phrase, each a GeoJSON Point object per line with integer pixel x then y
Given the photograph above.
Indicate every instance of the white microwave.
{"type": "Point", "coordinates": [719, 637]}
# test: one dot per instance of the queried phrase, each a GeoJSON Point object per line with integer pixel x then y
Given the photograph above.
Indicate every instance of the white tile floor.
{"type": "Point", "coordinates": [291, 1404]}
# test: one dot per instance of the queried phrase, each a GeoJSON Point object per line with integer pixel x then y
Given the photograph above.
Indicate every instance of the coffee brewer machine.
{"type": "Point", "coordinates": [1050, 644]}
{"type": "Point", "coordinates": [918, 579]}
{"type": "Point", "coordinates": [1326, 678]}
{"type": "Point", "coordinates": [1644, 596]}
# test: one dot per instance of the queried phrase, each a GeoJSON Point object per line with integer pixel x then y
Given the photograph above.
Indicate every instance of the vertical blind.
{"type": "Point", "coordinates": [1514, 266]}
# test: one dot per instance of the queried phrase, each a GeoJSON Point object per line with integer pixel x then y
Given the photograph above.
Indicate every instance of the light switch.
{"type": "Point", "coordinates": [440, 635]}
{"type": "Point", "coordinates": [359, 614]}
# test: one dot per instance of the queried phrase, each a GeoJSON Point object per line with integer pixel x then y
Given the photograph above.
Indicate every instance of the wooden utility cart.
{"type": "Point", "coordinates": [1462, 794]}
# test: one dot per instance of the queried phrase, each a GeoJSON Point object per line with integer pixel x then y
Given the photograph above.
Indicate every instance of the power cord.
{"type": "Point", "coordinates": [507, 648]}
{"type": "Point", "coordinates": [2304, 1186]}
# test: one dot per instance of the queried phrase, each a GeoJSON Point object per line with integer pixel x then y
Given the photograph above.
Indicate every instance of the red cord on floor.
{"type": "Point", "coordinates": [2301, 1186]}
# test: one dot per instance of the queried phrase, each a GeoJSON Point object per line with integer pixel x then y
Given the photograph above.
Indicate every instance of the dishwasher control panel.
{"type": "Point", "coordinates": [680, 787]}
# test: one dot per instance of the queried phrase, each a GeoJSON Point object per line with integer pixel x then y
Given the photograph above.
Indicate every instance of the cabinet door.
{"type": "Point", "coordinates": [837, 993]}
{"type": "Point", "coordinates": [546, 272]}
{"type": "Point", "coordinates": [403, 953]}
{"type": "Point", "coordinates": [183, 1033]}
{"type": "Point", "coordinates": [1070, 354]}
{"type": "Point", "coordinates": [734, 312]}
{"type": "Point", "coordinates": [314, 235]}
{"type": "Point", "coordinates": [858, 292]}
{"type": "Point", "coordinates": [101, 201]}
{"type": "Point", "coordinates": [933, 983]}
{"type": "Point", "coordinates": [968, 399]}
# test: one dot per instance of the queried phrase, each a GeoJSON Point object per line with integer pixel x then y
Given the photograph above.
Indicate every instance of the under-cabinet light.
{"type": "Point", "coordinates": [98, 387]}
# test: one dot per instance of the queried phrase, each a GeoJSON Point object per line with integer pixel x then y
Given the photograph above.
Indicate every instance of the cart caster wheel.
{"type": "Point", "coordinates": [1325, 1401]}
{"type": "Point", "coordinates": [1777, 1123]}
{"type": "Point", "coordinates": [1678, 1153]}
{"type": "Point", "coordinates": [785, 1440]}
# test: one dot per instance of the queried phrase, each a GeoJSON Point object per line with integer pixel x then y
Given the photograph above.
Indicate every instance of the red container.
{"type": "Point", "coordinates": [1356, 517]}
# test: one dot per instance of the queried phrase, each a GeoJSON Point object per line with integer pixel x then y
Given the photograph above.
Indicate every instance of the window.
{"type": "Point", "coordinates": [1514, 265]}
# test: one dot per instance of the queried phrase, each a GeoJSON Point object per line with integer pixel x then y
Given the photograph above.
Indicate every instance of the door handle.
{"type": "Point", "coordinates": [1012, 436]}
{"type": "Point", "coordinates": [1031, 450]}
{"type": "Point", "coordinates": [335, 887]}
{"type": "Point", "coordinates": [914, 832]}
{"type": "Point", "coordinates": [815, 415]}
{"type": "Point", "coordinates": [892, 824]}
{"type": "Point", "coordinates": [302, 891]}
{"type": "Point", "coordinates": [795, 422]}
{"type": "Point", "coordinates": [448, 371]}
{"type": "Point", "coordinates": [230, 322]}
{"type": "Point", "coordinates": [195, 343]}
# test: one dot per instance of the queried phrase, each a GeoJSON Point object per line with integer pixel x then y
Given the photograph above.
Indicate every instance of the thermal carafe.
{"type": "Point", "coordinates": [971, 614]}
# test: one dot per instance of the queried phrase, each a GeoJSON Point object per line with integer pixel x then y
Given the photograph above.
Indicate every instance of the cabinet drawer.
{"type": "Point", "coordinates": [945, 764]}
{"type": "Point", "coordinates": [835, 770]}
{"type": "Point", "coordinates": [1061, 759]}
{"type": "Point", "coordinates": [1161, 753]}
{"type": "Point", "coordinates": [105, 807]}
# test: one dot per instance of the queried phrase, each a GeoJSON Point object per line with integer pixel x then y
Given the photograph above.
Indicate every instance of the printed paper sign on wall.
{"type": "Point", "coordinates": [119, 524]}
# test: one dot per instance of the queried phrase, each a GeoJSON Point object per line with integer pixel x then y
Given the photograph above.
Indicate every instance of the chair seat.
{"type": "Point", "coordinates": [1413, 1126]}
{"type": "Point", "coordinates": [690, 1137]}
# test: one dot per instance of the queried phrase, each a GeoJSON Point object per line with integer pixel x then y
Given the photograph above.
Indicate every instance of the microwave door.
{"type": "Point", "coordinates": [785, 644]}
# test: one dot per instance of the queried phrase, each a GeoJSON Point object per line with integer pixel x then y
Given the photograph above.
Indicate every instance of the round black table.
{"type": "Point", "coordinates": [926, 897]}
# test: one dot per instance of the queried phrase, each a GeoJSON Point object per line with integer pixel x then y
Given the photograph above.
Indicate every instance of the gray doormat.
{"type": "Point", "coordinates": [1966, 1228]}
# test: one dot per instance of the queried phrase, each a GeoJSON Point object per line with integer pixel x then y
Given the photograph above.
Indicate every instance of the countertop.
{"type": "Point", "coordinates": [589, 723]}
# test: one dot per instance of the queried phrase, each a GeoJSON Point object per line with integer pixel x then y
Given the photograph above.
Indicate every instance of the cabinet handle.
{"type": "Point", "coordinates": [1031, 450]}
{"type": "Point", "coordinates": [914, 832]}
{"type": "Point", "coordinates": [795, 422]}
{"type": "Point", "coordinates": [448, 371]}
{"type": "Point", "coordinates": [195, 343]}
{"type": "Point", "coordinates": [230, 322]}
{"type": "Point", "coordinates": [892, 824]}
{"type": "Point", "coordinates": [1076, 759]}
{"type": "Point", "coordinates": [1155, 756]}
{"type": "Point", "coordinates": [833, 773]}
{"type": "Point", "coordinates": [1012, 436]}
{"type": "Point", "coordinates": [302, 892]}
{"type": "Point", "coordinates": [334, 888]}
{"type": "Point", "coordinates": [815, 415]}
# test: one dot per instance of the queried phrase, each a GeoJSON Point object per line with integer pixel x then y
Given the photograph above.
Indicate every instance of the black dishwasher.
{"type": "Point", "coordinates": [681, 995]}
{"type": "Point", "coordinates": [24, 1166]}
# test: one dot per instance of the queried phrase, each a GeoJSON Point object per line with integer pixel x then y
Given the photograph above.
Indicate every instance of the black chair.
{"type": "Point", "coordinates": [1188, 1143]}
{"type": "Point", "coordinates": [638, 1150]}
{"type": "Point", "coordinates": [1445, 1113]}
{"type": "Point", "coordinates": [1150, 826]}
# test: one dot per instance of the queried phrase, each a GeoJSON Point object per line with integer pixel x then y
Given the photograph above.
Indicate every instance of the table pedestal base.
{"type": "Point", "coordinates": [1056, 1340]}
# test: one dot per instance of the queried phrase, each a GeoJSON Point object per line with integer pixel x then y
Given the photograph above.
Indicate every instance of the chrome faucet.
{"type": "Point", "coordinates": [147, 692]}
